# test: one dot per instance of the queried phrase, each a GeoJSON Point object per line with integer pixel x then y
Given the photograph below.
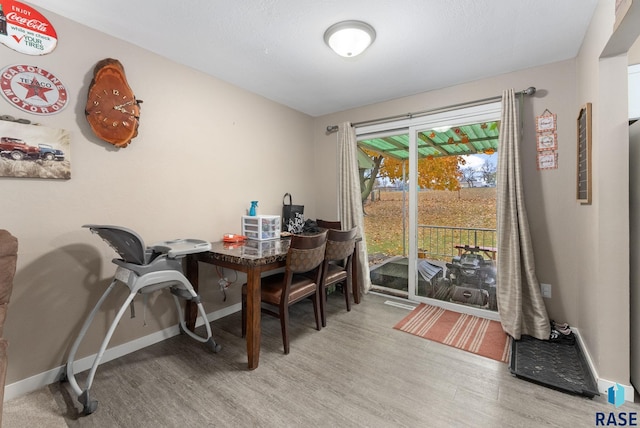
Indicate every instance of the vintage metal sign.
{"type": "Point", "coordinates": [24, 29]}
{"type": "Point", "coordinates": [33, 89]}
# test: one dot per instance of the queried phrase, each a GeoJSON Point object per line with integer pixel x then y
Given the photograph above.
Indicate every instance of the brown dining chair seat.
{"type": "Point", "coordinates": [301, 279]}
{"type": "Point", "coordinates": [337, 265]}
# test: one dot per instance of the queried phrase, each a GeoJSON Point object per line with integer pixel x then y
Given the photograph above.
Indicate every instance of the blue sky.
{"type": "Point", "coordinates": [476, 161]}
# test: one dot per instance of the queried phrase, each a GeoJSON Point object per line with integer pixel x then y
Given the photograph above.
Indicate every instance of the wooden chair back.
{"type": "Point", "coordinates": [340, 244]}
{"type": "Point", "coordinates": [337, 266]}
{"type": "Point", "coordinates": [326, 224]}
{"type": "Point", "coordinates": [306, 254]}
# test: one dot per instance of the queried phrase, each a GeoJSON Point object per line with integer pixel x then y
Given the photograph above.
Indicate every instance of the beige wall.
{"type": "Point", "coordinates": [550, 195]}
{"type": "Point", "coordinates": [581, 250]}
{"type": "Point", "coordinates": [634, 53]}
{"type": "Point", "coordinates": [205, 149]}
{"type": "Point", "coordinates": [603, 241]}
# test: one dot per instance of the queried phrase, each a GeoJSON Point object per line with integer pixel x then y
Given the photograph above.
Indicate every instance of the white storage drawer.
{"type": "Point", "coordinates": [261, 227]}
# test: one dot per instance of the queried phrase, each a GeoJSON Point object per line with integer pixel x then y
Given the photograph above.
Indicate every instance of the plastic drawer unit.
{"type": "Point", "coordinates": [261, 227]}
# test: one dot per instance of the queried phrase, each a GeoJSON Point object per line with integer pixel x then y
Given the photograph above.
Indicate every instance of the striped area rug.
{"type": "Point", "coordinates": [468, 332]}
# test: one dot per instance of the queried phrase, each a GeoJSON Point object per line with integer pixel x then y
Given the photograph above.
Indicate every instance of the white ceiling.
{"type": "Point", "coordinates": [275, 48]}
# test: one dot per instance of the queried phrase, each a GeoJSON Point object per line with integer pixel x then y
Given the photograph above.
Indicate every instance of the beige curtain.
{"type": "Point", "coordinates": [520, 303]}
{"type": "Point", "coordinates": [349, 195]}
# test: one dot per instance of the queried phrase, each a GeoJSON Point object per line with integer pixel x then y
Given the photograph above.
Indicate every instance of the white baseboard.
{"type": "Point", "coordinates": [603, 384]}
{"type": "Point", "coordinates": [33, 383]}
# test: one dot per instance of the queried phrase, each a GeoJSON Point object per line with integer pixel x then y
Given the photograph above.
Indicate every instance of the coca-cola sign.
{"type": "Point", "coordinates": [24, 29]}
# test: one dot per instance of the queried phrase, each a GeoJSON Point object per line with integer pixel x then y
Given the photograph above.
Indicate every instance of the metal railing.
{"type": "Point", "coordinates": [439, 242]}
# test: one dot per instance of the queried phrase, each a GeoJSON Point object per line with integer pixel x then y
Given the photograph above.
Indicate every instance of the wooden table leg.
{"type": "Point", "coordinates": [355, 286]}
{"type": "Point", "coordinates": [190, 308]}
{"type": "Point", "coordinates": [253, 318]}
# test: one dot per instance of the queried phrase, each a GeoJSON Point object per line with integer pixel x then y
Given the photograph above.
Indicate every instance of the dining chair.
{"type": "Point", "coordinates": [326, 224]}
{"type": "Point", "coordinates": [337, 265]}
{"type": "Point", "coordinates": [300, 280]}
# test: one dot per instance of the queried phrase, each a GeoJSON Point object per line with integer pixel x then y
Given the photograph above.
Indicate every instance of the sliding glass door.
{"type": "Point", "coordinates": [447, 197]}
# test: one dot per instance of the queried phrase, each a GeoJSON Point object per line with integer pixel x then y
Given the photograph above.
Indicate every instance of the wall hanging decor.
{"type": "Point", "coordinates": [547, 159]}
{"type": "Point", "coordinates": [546, 122]}
{"type": "Point", "coordinates": [583, 187]}
{"type": "Point", "coordinates": [33, 151]}
{"type": "Point", "coordinates": [112, 109]}
{"type": "Point", "coordinates": [546, 141]}
{"type": "Point", "coordinates": [24, 29]}
{"type": "Point", "coordinates": [33, 89]}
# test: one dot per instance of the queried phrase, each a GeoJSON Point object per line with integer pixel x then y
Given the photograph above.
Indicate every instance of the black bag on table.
{"type": "Point", "coordinates": [292, 216]}
{"type": "Point", "coordinates": [310, 227]}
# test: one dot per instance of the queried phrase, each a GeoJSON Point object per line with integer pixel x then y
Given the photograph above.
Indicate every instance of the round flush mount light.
{"type": "Point", "coordinates": [349, 38]}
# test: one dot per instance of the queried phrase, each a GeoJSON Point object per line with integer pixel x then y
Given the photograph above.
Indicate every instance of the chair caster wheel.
{"type": "Point", "coordinates": [87, 410]}
{"type": "Point", "coordinates": [213, 346]}
{"type": "Point", "coordinates": [88, 406]}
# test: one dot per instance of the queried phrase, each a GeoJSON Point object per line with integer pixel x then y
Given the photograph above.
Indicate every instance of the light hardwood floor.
{"type": "Point", "coordinates": [356, 372]}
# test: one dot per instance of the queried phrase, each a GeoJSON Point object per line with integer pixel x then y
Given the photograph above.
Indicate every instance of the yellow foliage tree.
{"type": "Point", "coordinates": [440, 173]}
{"type": "Point", "coordinates": [437, 173]}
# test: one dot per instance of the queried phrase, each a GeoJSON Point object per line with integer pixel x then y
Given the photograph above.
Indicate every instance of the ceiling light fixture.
{"type": "Point", "coordinates": [349, 38]}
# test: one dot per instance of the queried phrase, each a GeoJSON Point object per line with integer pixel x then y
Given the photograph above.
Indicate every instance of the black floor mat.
{"type": "Point", "coordinates": [557, 365]}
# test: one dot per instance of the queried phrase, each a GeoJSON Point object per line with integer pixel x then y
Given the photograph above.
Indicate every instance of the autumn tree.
{"type": "Point", "coordinates": [437, 173]}
{"type": "Point", "coordinates": [368, 177]}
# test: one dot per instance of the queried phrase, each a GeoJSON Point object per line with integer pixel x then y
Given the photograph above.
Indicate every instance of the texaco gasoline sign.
{"type": "Point", "coordinates": [33, 89]}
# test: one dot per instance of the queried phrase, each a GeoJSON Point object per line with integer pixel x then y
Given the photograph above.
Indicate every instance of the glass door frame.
{"type": "Point", "coordinates": [490, 111]}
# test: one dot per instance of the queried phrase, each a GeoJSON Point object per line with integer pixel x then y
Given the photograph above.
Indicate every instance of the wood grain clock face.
{"type": "Point", "coordinates": [112, 109]}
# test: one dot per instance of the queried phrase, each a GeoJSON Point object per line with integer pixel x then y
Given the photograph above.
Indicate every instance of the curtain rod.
{"type": "Point", "coordinates": [334, 128]}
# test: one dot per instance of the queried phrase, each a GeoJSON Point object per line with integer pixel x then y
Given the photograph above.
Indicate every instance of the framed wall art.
{"type": "Point", "coordinates": [546, 122]}
{"type": "Point", "coordinates": [583, 184]}
{"type": "Point", "coordinates": [548, 159]}
{"type": "Point", "coordinates": [34, 151]}
{"type": "Point", "coordinates": [547, 141]}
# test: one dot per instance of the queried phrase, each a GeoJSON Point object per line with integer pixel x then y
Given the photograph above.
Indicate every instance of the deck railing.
{"type": "Point", "coordinates": [439, 242]}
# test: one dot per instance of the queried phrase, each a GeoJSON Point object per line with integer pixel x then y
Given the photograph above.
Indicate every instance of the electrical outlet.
{"type": "Point", "coordinates": [546, 290]}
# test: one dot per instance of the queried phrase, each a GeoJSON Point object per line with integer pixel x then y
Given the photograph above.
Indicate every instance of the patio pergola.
{"type": "Point", "coordinates": [455, 141]}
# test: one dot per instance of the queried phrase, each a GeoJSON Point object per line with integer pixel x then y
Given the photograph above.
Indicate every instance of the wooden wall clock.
{"type": "Point", "coordinates": [112, 109]}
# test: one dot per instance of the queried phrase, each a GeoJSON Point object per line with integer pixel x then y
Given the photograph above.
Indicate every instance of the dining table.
{"type": "Point", "coordinates": [253, 257]}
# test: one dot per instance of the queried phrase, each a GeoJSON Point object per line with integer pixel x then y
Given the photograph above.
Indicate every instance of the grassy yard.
{"type": "Point", "coordinates": [470, 208]}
